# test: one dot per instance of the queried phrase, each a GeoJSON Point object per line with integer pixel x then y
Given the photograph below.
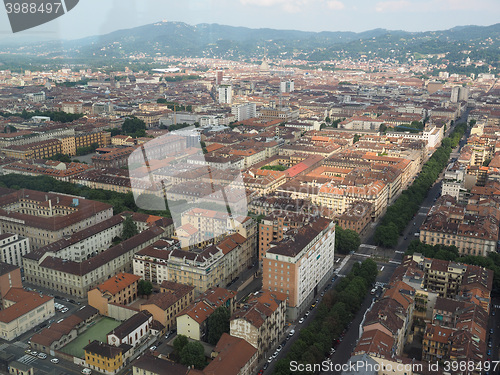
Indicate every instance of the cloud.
{"type": "Point", "coordinates": [335, 5]}
{"type": "Point", "coordinates": [393, 6]}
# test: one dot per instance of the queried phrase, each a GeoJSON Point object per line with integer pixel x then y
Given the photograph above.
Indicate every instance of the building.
{"type": "Point", "coordinates": [192, 322]}
{"type": "Point", "coordinates": [357, 217]}
{"type": "Point", "coordinates": [244, 111]}
{"type": "Point", "coordinates": [20, 368]}
{"type": "Point", "coordinates": [300, 265]}
{"type": "Point", "coordinates": [37, 150]}
{"type": "Point", "coordinates": [287, 86]}
{"type": "Point", "coordinates": [148, 364]}
{"type": "Point", "coordinates": [133, 331]}
{"type": "Point", "coordinates": [10, 277]}
{"type": "Point", "coordinates": [473, 229]}
{"type": "Point", "coordinates": [233, 356]}
{"type": "Point", "coordinates": [173, 299]}
{"type": "Point", "coordinates": [23, 311]}
{"type": "Point", "coordinates": [261, 321]}
{"type": "Point", "coordinates": [47, 217]}
{"type": "Point", "coordinates": [77, 278]}
{"type": "Point", "coordinates": [105, 358]}
{"type": "Point", "coordinates": [120, 289]}
{"type": "Point", "coordinates": [225, 94]}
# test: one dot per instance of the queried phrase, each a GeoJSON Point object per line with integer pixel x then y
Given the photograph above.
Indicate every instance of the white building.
{"type": "Point", "coordinates": [225, 94]}
{"type": "Point", "coordinates": [132, 331]}
{"type": "Point", "coordinates": [12, 248]}
{"type": "Point", "coordinates": [287, 86]}
{"type": "Point", "coordinates": [244, 111]}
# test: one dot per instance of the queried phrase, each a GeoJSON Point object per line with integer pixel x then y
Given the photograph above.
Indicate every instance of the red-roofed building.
{"type": "Point", "coordinates": [120, 289]}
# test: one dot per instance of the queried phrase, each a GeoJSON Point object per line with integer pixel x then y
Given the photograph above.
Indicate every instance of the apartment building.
{"type": "Point", "coordinates": [77, 278]}
{"type": "Point", "coordinates": [23, 311]}
{"type": "Point", "coordinates": [300, 265]}
{"type": "Point", "coordinates": [473, 229]}
{"type": "Point", "coordinates": [357, 217]}
{"type": "Point", "coordinates": [273, 227]}
{"type": "Point", "coordinates": [148, 364]}
{"type": "Point", "coordinates": [192, 322]}
{"type": "Point", "coordinates": [12, 248]}
{"type": "Point", "coordinates": [261, 321]}
{"type": "Point", "coordinates": [37, 150]}
{"type": "Point", "coordinates": [47, 217]}
{"type": "Point", "coordinates": [213, 266]}
{"type": "Point", "coordinates": [10, 277]}
{"type": "Point", "coordinates": [105, 358]}
{"type": "Point", "coordinates": [120, 289]}
{"type": "Point", "coordinates": [172, 300]}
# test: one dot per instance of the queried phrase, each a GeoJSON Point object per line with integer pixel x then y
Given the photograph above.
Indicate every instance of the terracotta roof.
{"type": "Point", "coordinates": [159, 366]}
{"type": "Point", "coordinates": [234, 355]}
{"type": "Point", "coordinates": [24, 303]}
{"type": "Point", "coordinates": [118, 283]}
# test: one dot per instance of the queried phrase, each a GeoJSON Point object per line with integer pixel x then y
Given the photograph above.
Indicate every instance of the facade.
{"type": "Point", "coordinates": [301, 265]}
{"type": "Point", "coordinates": [77, 278]}
{"type": "Point", "coordinates": [37, 150]}
{"type": "Point", "coordinates": [261, 321]}
{"type": "Point", "coordinates": [132, 331]}
{"type": "Point", "coordinates": [12, 248]}
{"type": "Point", "coordinates": [193, 320]}
{"type": "Point", "coordinates": [148, 364]}
{"type": "Point", "coordinates": [172, 300]}
{"type": "Point", "coordinates": [225, 94]}
{"type": "Point", "coordinates": [47, 217]}
{"type": "Point", "coordinates": [23, 311]}
{"type": "Point", "coordinates": [357, 217]}
{"type": "Point", "coordinates": [120, 289]}
{"type": "Point", "coordinates": [105, 358]}
{"type": "Point", "coordinates": [10, 277]}
{"type": "Point", "coordinates": [244, 111]}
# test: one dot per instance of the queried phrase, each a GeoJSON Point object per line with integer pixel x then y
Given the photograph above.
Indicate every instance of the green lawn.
{"type": "Point", "coordinates": [97, 332]}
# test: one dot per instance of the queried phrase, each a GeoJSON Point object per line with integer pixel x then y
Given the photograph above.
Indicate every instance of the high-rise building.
{"type": "Point", "coordinates": [219, 75]}
{"type": "Point", "coordinates": [455, 90]}
{"type": "Point", "coordinates": [287, 86]}
{"type": "Point", "coordinates": [225, 94]}
{"type": "Point", "coordinates": [244, 111]}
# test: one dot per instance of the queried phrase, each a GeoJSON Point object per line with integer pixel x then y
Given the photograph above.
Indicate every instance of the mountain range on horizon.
{"type": "Point", "coordinates": [214, 40]}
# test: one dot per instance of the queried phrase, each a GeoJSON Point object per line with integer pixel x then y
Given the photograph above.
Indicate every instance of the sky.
{"type": "Point", "coordinates": [97, 17]}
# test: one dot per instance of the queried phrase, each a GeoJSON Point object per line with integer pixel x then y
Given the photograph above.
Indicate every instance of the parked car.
{"type": "Point", "coordinates": [301, 320]}
{"type": "Point", "coordinates": [291, 332]}
{"type": "Point", "coordinates": [54, 360]}
{"type": "Point", "coordinates": [153, 347]}
{"type": "Point", "coordinates": [86, 371]}
{"type": "Point", "coordinates": [42, 355]}
{"type": "Point", "coordinates": [65, 310]}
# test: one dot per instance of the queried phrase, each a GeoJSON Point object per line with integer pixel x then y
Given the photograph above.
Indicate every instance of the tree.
{"type": "Point", "coordinates": [144, 288]}
{"type": "Point", "coordinates": [193, 354]}
{"type": "Point", "coordinates": [134, 127]}
{"type": "Point", "coordinates": [179, 343]}
{"type": "Point", "coordinates": [356, 138]}
{"type": "Point", "coordinates": [129, 228]}
{"type": "Point", "coordinates": [346, 240]}
{"type": "Point", "coordinates": [217, 324]}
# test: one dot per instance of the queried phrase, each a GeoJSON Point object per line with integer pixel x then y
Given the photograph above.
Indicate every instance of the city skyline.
{"type": "Point", "coordinates": [304, 15]}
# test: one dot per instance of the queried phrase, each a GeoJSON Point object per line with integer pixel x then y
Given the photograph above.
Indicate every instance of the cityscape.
{"type": "Point", "coordinates": [205, 199]}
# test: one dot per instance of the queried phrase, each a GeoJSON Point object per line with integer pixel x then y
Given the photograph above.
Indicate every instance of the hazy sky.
{"type": "Point", "coordinates": [92, 17]}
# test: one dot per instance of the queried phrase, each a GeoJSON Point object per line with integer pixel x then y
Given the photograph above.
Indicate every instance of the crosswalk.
{"type": "Point", "coordinates": [27, 359]}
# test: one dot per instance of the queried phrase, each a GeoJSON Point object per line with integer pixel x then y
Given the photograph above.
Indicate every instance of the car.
{"type": "Point", "coordinates": [27, 351]}
{"type": "Point", "coordinates": [54, 360]}
{"type": "Point", "coordinates": [42, 355]}
{"type": "Point", "coordinates": [261, 371]}
{"type": "Point", "coordinates": [322, 294]}
{"type": "Point", "coordinates": [35, 353]}
{"type": "Point", "coordinates": [406, 237]}
{"type": "Point", "coordinates": [153, 347]}
{"type": "Point", "coordinates": [275, 354]}
{"type": "Point", "coordinates": [493, 313]}
{"type": "Point", "coordinates": [301, 320]}
{"type": "Point", "coordinates": [167, 335]}
{"type": "Point", "coordinates": [266, 365]}
{"type": "Point", "coordinates": [373, 291]}
{"type": "Point", "coordinates": [86, 371]}
{"type": "Point", "coordinates": [489, 352]}
{"type": "Point", "coordinates": [270, 359]}
{"type": "Point", "coordinates": [278, 349]}
{"type": "Point", "coordinates": [72, 301]}
{"type": "Point", "coordinates": [291, 332]}
{"type": "Point", "coordinates": [65, 310]}
{"type": "Point", "coordinates": [307, 313]}
{"type": "Point", "coordinates": [491, 330]}
{"type": "Point", "coordinates": [159, 343]}
{"type": "Point", "coordinates": [489, 344]}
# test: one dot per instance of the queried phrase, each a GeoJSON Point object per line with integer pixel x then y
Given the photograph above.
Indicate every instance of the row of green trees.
{"type": "Point", "coordinates": [335, 312]}
{"type": "Point", "coordinates": [120, 201]}
{"type": "Point", "coordinates": [346, 240]}
{"type": "Point", "coordinates": [275, 167]}
{"type": "Point", "coordinates": [400, 213]}
{"type": "Point", "coordinates": [54, 116]}
{"type": "Point", "coordinates": [492, 261]}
